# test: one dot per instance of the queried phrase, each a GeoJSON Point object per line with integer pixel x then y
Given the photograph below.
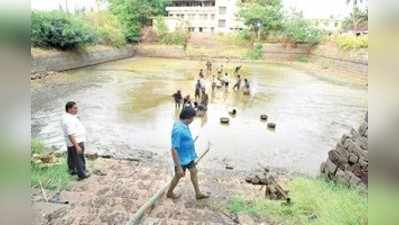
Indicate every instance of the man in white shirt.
{"type": "Point", "coordinates": [75, 138]}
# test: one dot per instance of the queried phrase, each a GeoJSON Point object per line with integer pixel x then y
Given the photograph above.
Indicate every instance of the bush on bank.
{"type": "Point", "coordinates": [299, 30]}
{"type": "Point", "coordinates": [169, 38]}
{"type": "Point", "coordinates": [60, 30]}
{"type": "Point", "coordinates": [108, 28]}
{"type": "Point", "coordinates": [351, 42]}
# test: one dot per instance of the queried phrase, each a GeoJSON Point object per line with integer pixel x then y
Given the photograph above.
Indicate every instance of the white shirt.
{"type": "Point", "coordinates": [71, 125]}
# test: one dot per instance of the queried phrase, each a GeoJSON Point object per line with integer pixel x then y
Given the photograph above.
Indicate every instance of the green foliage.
{"type": "Point", "coordinates": [134, 14]}
{"type": "Point", "coordinates": [315, 202]}
{"type": "Point", "coordinates": [37, 147]}
{"type": "Point", "coordinates": [299, 30]}
{"type": "Point", "coordinates": [174, 38]}
{"type": "Point", "coordinates": [54, 177]}
{"type": "Point", "coordinates": [358, 19]}
{"type": "Point", "coordinates": [256, 53]}
{"type": "Point", "coordinates": [60, 30]}
{"type": "Point", "coordinates": [160, 26]}
{"type": "Point", "coordinates": [109, 29]}
{"type": "Point", "coordinates": [350, 42]}
{"type": "Point", "coordinates": [169, 38]}
{"type": "Point", "coordinates": [268, 13]}
{"type": "Point", "coordinates": [303, 59]}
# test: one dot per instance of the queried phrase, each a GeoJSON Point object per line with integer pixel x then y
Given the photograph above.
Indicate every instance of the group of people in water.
{"type": "Point", "coordinates": [201, 98]}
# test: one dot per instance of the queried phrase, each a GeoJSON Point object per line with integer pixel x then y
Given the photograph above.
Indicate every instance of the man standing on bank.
{"type": "Point", "coordinates": [75, 137]}
{"type": "Point", "coordinates": [183, 153]}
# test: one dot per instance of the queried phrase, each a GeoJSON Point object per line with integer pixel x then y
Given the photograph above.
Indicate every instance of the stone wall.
{"type": "Point", "coordinates": [348, 162]}
{"type": "Point", "coordinates": [331, 57]}
{"type": "Point", "coordinates": [43, 60]}
{"type": "Point", "coordinates": [280, 52]}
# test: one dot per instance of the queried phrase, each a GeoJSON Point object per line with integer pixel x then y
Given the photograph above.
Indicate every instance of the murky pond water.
{"type": "Point", "coordinates": [127, 106]}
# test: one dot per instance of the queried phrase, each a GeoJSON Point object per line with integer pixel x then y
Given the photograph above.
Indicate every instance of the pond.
{"type": "Point", "coordinates": [127, 106]}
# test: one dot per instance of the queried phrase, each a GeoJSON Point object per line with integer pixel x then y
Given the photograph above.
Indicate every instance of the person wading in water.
{"type": "Point", "coordinates": [183, 153]}
{"type": "Point", "coordinates": [178, 99]}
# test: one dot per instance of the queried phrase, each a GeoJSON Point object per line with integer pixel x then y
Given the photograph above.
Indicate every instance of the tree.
{"type": "Point", "coordinates": [262, 14]}
{"type": "Point", "coordinates": [134, 14]}
{"type": "Point", "coordinates": [357, 16]}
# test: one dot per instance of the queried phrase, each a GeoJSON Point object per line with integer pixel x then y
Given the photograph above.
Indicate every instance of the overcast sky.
{"type": "Point", "coordinates": [311, 8]}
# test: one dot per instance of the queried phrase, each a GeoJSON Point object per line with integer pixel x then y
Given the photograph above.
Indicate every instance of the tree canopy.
{"type": "Point", "coordinates": [266, 13]}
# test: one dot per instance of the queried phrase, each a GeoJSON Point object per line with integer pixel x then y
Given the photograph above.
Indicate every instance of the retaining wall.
{"type": "Point", "coordinates": [64, 60]}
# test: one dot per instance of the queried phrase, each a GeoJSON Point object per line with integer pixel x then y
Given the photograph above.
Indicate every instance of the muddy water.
{"type": "Point", "coordinates": [126, 106]}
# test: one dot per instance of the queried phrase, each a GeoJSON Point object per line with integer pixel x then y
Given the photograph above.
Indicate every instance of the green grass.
{"type": "Point", "coordinates": [55, 177]}
{"type": "Point", "coordinates": [329, 204]}
{"type": "Point", "coordinates": [37, 147]}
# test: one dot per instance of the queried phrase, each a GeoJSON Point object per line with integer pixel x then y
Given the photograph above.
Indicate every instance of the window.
{"type": "Point", "coordinates": [212, 16]}
{"type": "Point", "coordinates": [201, 29]}
{"type": "Point", "coordinates": [212, 29]}
{"type": "Point", "coordinates": [222, 23]}
{"type": "Point", "coordinates": [222, 10]}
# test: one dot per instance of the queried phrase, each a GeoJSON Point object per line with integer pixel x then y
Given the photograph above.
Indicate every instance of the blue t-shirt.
{"type": "Point", "coordinates": [183, 142]}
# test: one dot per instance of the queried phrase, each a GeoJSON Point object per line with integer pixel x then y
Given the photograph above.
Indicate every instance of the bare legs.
{"type": "Point", "coordinates": [194, 181]}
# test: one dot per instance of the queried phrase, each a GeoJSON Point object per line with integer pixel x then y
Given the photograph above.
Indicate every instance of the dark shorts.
{"type": "Point", "coordinates": [188, 166]}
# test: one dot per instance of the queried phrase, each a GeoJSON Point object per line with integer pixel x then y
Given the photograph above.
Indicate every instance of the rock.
{"type": "Point", "coordinates": [106, 156]}
{"type": "Point", "coordinates": [323, 167]}
{"type": "Point", "coordinates": [353, 158]}
{"type": "Point", "coordinates": [91, 155]}
{"type": "Point", "coordinates": [331, 168]}
{"type": "Point", "coordinates": [337, 158]}
{"type": "Point", "coordinates": [354, 180]}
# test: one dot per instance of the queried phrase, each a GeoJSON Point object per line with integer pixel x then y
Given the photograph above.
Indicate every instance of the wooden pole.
{"type": "Point", "coordinates": [135, 220]}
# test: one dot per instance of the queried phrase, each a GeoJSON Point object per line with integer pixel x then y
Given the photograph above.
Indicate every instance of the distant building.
{"type": "Point", "coordinates": [207, 16]}
{"type": "Point", "coordinates": [71, 6]}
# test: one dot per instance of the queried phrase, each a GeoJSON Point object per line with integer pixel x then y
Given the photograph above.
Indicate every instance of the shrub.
{"type": "Point", "coordinates": [108, 28]}
{"type": "Point", "coordinates": [169, 38]}
{"type": "Point", "coordinates": [299, 30]}
{"type": "Point", "coordinates": [59, 30]}
{"type": "Point", "coordinates": [350, 42]}
{"type": "Point", "coordinates": [256, 53]}
{"type": "Point", "coordinates": [174, 38]}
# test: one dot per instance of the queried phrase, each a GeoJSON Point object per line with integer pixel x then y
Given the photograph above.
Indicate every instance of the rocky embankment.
{"type": "Point", "coordinates": [348, 162]}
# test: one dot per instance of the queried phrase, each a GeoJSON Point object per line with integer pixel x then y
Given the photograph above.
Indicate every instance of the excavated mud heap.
{"type": "Point", "coordinates": [348, 162]}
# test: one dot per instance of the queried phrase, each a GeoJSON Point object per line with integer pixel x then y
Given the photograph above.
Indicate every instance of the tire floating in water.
{"type": "Point", "coordinates": [271, 125]}
{"type": "Point", "coordinates": [224, 120]}
{"type": "Point", "coordinates": [263, 117]}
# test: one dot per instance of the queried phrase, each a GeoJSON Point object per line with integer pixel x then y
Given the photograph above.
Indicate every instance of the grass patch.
{"type": "Point", "coordinates": [315, 202]}
{"type": "Point", "coordinates": [54, 177]}
{"type": "Point", "coordinates": [303, 59]}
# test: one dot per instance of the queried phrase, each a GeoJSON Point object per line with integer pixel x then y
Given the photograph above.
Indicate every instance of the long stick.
{"type": "Point", "coordinates": [140, 212]}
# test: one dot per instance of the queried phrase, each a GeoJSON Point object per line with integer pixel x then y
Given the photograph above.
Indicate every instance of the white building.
{"type": "Point", "coordinates": [71, 6]}
{"type": "Point", "coordinates": [208, 16]}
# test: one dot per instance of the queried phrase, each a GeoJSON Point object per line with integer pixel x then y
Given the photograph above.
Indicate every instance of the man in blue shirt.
{"type": "Point", "coordinates": [183, 153]}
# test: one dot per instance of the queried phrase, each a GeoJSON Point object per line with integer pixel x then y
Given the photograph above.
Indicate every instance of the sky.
{"type": "Point", "coordinates": [310, 8]}
{"type": "Point", "coordinates": [320, 8]}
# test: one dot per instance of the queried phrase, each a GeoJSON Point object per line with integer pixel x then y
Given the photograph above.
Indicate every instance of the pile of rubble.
{"type": "Point", "coordinates": [273, 190]}
{"type": "Point", "coordinates": [348, 162]}
{"type": "Point", "coordinates": [41, 75]}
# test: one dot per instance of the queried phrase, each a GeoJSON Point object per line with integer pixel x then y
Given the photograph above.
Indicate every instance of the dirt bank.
{"type": "Point", "coordinates": [117, 188]}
